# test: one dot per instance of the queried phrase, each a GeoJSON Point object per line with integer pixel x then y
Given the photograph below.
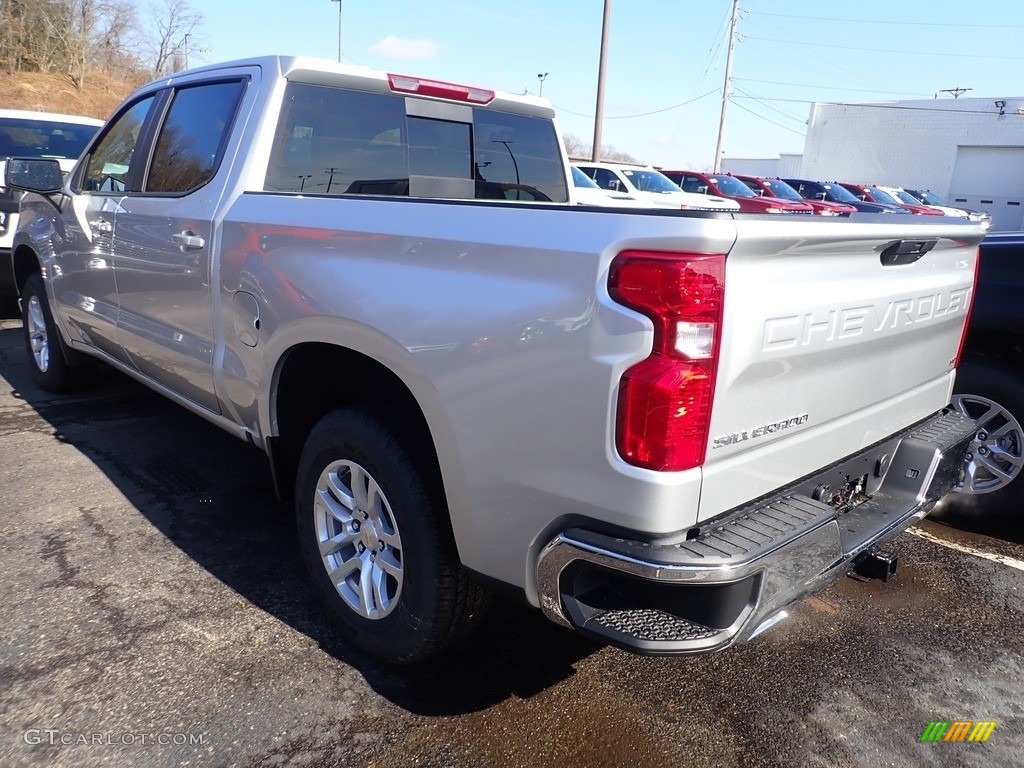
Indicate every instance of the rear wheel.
{"type": "Point", "coordinates": [54, 367]}
{"type": "Point", "coordinates": [375, 538]}
{"type": "Point", "coordinates": [992, 393]}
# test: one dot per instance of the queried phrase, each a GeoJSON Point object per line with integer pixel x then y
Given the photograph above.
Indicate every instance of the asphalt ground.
{"type": "Point", "coordinates": [156, 614]}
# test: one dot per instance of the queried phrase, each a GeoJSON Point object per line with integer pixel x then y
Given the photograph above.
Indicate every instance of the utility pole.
{"type": "Point", "coordinates": [595, 154]}
{"type": "Point", "coordinates": [956, 92]}
{"type": "Point", "coordinates": [725, 85]}
{"type": "Point", "coordinates": [339, 28]}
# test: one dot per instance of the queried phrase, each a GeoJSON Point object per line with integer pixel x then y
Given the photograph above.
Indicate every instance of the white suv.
{"type": "Point", "coordinates": [645, 183]}
{"type": "Point", "coordinates": [34, 134]}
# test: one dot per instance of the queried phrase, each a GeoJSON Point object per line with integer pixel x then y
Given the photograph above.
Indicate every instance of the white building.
{"type": "Point", "coordinates": [968, 151]}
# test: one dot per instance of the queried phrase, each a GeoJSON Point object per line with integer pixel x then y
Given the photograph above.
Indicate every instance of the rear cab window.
{"type": "Point", "coordinates": [342, 141]}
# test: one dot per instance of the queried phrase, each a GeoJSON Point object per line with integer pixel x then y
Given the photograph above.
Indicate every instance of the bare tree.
{"type": "Point", "coordinates": [576, 147]}
{"type": "Point", "coordinates": [116, 43]}
{"type": "Point", "coordinates": [175, 24]}
{"type": "Point", "coordinates": [31, 34]}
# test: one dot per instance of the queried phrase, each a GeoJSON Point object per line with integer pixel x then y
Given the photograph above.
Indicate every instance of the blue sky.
{"type": "Point", "coordinates": [662, 54]}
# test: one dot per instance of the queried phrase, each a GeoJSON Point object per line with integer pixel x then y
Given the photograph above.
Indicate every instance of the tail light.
{"type": "Point", "coordinates": [970, 306]}
{"type": "Point", "coordinates": [664, 405]}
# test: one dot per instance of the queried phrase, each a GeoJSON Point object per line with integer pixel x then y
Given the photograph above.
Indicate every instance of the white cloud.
{"type": "Point", "coordinates": [400, 48]}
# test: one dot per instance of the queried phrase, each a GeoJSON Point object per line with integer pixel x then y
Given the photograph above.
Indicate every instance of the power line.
{"type": "Point", "coordinates": [767, 120]}
{"type": "Point", "coordinates": [905, 107]}
{"type": "Point", "coordinates": [887, 22]}
{"type": "Point", "coordinates": [640, 114]}
{"type": "Point", "coordinates": [831, 87]}
{"type": "Point", "coordinates": [794, 118]}
{"type": "Point", "coordinates": [884, 50]}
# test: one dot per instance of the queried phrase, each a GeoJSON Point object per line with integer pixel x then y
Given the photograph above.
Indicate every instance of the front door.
{"type": "Point", "coordinates": [82, 275]}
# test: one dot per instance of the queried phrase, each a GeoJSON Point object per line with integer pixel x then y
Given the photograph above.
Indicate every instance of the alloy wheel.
{"type": "Point", "coordinates": [995, 455]}
{"type": "Point", "coordinates": [359, 541]}
{"type": "Point", "coordinates": [37, 334]}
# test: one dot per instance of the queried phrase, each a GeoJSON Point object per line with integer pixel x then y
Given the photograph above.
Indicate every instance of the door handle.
{"type": "Point", "coordinates": [188, 240]}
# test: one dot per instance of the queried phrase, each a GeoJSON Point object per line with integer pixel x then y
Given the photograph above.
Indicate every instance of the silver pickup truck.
{"type": "Point", "coordinates": [660, 427]}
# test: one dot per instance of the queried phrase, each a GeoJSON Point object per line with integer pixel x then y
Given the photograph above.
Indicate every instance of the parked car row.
{"type": "Point", "coordinates": [617, 184]}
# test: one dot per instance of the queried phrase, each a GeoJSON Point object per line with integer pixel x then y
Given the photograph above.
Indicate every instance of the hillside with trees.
{"type": "Point", "coordinates": [84, 56]}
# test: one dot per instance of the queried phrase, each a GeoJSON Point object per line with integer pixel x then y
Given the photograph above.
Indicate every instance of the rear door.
{"type": "Point", "coordinates": [163, 242]}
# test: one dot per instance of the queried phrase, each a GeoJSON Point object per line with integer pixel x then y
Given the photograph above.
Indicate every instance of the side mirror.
{"type": "Point", "coordinates": [702, 189]}
{"type": "Point", "coordinates": [33, 175]}
{"type": "Point", "coordinates": [821, 196]}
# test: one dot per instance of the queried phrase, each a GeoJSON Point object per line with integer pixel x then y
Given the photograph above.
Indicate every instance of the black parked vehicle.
{"type": "Point", "coordinates": [836, 193]}
{"type": "Point", "coordinates": [990, 384]}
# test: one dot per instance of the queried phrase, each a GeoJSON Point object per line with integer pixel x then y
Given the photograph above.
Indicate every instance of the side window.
{"type": "Point", "coordinates": [109, 161]}
{"type": "Point", "coordinates": [605, 179]}
{"type": "Point", "coordinates": [192, 137]}
{"type": "Point", "coordinates": [337, 141]}
{"type": "Point", "coordinates": [693, 184]}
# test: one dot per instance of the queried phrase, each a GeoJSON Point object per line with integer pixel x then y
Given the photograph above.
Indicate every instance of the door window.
{"type": "Point", "coordinates": [107, 170]}
{"type": "Point", "coordinates": [192, 138]}
{"type": "Point", "coordinates": [606, 179]}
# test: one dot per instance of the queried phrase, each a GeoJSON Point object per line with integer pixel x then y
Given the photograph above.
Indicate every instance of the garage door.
{"type": "Point", "coordinates": [991, 179]}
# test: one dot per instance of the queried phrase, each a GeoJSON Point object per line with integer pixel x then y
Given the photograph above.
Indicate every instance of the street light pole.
{"type": "Point", "coordinates": [595, 154]}
{"type": "Point", "coordinates": [339, 28]}
{"type": "Point", "coordinates": [542, 78]}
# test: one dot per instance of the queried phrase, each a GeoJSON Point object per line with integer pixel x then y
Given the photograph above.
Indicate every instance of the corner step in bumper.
{"type": "Point", "coordinates": [674, 594]}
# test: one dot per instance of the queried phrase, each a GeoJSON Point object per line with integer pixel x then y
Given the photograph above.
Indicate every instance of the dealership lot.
{"type": "Point", "coordinates": [156, 614]}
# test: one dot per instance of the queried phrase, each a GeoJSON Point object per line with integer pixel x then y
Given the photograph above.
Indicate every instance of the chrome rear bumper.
{"type": "Point", "coordinates": [707, 588]}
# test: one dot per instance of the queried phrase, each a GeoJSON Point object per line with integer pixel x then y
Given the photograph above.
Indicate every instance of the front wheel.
{"type": "Point", "coordinates": [54, 367]}
{"type": "Point", "coordinates": [374, 535]}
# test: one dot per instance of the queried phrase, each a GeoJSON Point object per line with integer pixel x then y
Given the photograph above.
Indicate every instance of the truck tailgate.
{"type": "Point", "coordinates": [835, 335]}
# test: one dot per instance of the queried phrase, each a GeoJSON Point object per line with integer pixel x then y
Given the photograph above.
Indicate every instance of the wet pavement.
{"type": "Point", "coordinates": [155, 614]}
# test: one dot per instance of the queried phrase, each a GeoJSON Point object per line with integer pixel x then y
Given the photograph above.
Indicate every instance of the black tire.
{"type": "Point", "coordinates": [62, 369]}
{"type": "Point", "coordinates": [436, 604]}
{"type": "Point", "coordinates": [999, 382]}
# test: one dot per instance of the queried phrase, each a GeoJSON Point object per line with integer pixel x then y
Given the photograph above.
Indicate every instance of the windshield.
{"type": "Point", "coordinates": [929, 198]}
{"type": "Point", "coordinates": [731, 186]}
{"type": "Point", "coordinates": [580, 179]}
{"type": "Point", "coordinates": [881, 196]}
{"type": "Point", "coordinates": [840, 194]}
{"type": "Point", "coordinates": [23, 137]}
{"type": "Point", "coordinates": [781, 189]}
{"type": "Point", "coordinates": [650, 181]}
{"type": "Point", "coordinates": [905, 197]}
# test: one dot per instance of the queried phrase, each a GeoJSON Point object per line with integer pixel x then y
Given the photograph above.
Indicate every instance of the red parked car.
{"type": "Point", "coordinates": [726, 185]}
{"type": "Point", "coordinates": [779, 188]}
{"type": "Point", "coordinates": [875, 195]}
